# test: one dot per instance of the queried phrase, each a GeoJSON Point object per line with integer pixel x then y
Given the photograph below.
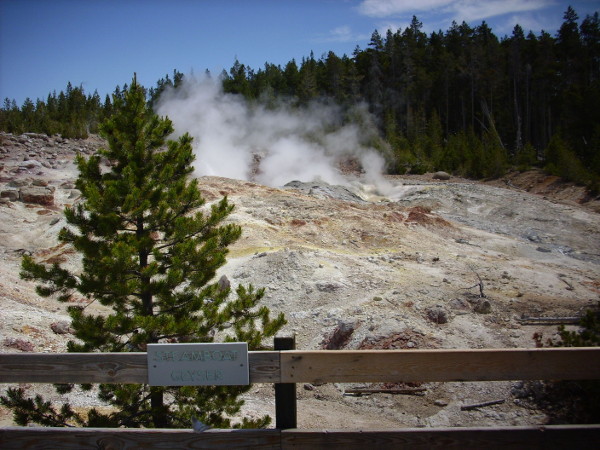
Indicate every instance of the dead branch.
{"type": "Point", "coordinates": [480, 284]}
{"type": "Point", "coordinates": [359, 392]}
{"type": "Point", "coordinates": [549, 320]}
{"type": "Point", "coordinates": [480, 405]}
{"type": "Point", "coordinates": [392, 303]}
{"type": "Point", "coordinates": [569, 285]}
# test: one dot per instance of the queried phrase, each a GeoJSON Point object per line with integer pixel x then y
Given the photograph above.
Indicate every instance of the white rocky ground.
{"type": "Point", "coordinates": [383, 272]}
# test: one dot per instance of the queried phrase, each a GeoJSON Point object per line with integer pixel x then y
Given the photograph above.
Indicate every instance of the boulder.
{"type": "Point", "coordinates": [30, 164]}
{"type": "Point", "coordinates": [37, 195]}
{"type": "Point", "coordinates": [19, 344]}
{"type": "Point", "coordinates": [10, 194]}
{"type": "Point", "coordinates": [441, 176]}
{"type": "Point", "coordinates": [340, 336]}
{"type": "Point", "coordinates": [61, 327]}
{"type": "Point", "coordinates": [224, 283]}
{"type": "Point", "coordinates": [328, 286]}
{"type": "Point", "coordinates": [459, 304]}
{"type": "Point", "coordinates": [437, 315]}
{"type": "Point", "coordinates": [482, 306]}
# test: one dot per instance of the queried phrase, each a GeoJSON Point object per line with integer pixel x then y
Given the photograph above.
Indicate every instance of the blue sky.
{"type": "Point", "coordinates": [100, 43]}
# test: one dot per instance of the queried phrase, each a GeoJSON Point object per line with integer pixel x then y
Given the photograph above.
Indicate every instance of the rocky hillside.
{"type": "Point", "coordinates": [351, 269]}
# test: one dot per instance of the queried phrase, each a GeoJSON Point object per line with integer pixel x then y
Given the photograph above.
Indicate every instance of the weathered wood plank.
{"type": "Point", "coordinates": [546, 437]}
{"type": "Point", "coordinates": [106, 438]}
{"type": "Point", "coordinates": [440, 365]}
{"type": "Point", "coordinates": [106, 367]}
{"type": "Point", "coordinates": [264, 367]}
{"type": "Point", "coordinates": [324, 366]}
{"type": "Point", "coordinates": [581, 437]}
{"type": "Point", "coordinates": [73, 368]}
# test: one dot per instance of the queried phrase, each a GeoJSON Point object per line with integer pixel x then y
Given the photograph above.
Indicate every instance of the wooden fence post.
{"type": "Point", "coordinates": [285, 393]}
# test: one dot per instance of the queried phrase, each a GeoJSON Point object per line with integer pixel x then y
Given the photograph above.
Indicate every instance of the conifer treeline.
{"type": "Point", "coordinates": [71, 113]}
{"type": "Point", "coordinates": [463, 100]}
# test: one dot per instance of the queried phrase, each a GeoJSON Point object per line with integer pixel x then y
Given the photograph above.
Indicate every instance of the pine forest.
{"type": "Point", "coordinates": [462, 100]}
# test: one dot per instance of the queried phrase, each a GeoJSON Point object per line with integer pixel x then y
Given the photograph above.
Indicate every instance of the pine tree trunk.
{"type": "Point", "coordinates": [159, 418]}
{"type": "Point", "coordinates": [518, 137]}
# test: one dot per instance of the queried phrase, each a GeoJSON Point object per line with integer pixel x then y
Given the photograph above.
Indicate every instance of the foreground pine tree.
{"type": "Point", "coordinates": [149, 252]}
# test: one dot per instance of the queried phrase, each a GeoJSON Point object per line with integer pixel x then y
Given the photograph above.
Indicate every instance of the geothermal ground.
{"type": "Point", "coordinates": [352, 269]}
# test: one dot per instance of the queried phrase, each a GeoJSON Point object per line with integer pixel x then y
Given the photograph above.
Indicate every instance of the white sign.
{"type": "Point", "coordinates": [198, 364]}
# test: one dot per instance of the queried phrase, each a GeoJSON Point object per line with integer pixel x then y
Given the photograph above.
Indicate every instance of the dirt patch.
{"type": "Point", "coordinates": [399, 341]}
{"type": "Point", "coordinates": [549, 186]}
{"type": "Point", "coordinates": [420, 215]}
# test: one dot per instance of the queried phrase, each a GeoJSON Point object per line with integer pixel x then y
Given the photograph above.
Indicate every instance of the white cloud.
{"type": "Point", "coordinates": [342, 34]}
{"type": "Point", "coordinates": [383, 27]}
{"type": "Point", "coordinates": [386, 8]}
{"type": "Point", "coordinates": [529, 22]}
{"type": "Point", "coordinates": [468, 10]}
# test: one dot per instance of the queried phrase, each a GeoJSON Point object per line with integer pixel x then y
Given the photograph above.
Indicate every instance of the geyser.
{"type": "Point", "coordinates": [271, 145]}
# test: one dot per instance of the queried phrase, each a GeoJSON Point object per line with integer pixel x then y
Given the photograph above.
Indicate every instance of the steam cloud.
{"type": "Point", "coordinates": [231, 135]}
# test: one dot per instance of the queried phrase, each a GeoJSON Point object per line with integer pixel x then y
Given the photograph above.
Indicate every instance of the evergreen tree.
{"type": "Point", "coordinates": [149, 253]}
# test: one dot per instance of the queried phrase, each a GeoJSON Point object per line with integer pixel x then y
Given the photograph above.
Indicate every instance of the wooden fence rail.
{"type": "Point", "coordinates": [342, 366]}
{"type": "Point", "coordinates": [580, 437]}
{"type": "Point", "coordinates": [296, 366]}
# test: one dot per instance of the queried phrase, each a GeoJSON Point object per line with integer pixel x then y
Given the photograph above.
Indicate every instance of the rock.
{"type": "Point", "coordinates": [36, 136]}
{"type": "Point", "coordinates": [31, 164]}
{"type": "Point", "coordinates": [10, 194]}
{"type": "Point", "coordinates": [328, 286]}
{"type": "Point", "coordinates": [482, 306]}
{"type": "Point", "coordinates": [339, 337]}
{"type": "Point", "coordinates": [321, 189]}
{"type": "Point", "coordinates": [241, 274]}
{"type": "Point", "coordinates": [37, 195]}
{"type": "Point", "coordinates": [437, 315]}
{"type": "Point", "coordinates": [441, 176]}
{"type": "Point", "coordinates": [440, 402]}
{"type": "Point", "coordinates": [18, 183]}
{"type": "Point", "coordinates": [519, 390]}
{"type": "Point", "coordinates": [533, 236]}
{"type": "Point", "coordinates": [309, 387]}
{"type": "Point", "coordinates": [19, 344]}
{"type": "Point", "coordinates": [61, 327]}
{"type": "Point", "coordinates": [224, 283]}
{"type": "Point", "coordinates": [459, 304]}
{"type": "Point", "coordinates": [75, 193]}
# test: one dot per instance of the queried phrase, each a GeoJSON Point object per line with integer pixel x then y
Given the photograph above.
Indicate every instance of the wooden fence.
{"type": "Point", "coordinates": [295, 366]}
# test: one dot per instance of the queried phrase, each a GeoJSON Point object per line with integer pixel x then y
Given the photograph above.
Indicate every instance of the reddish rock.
{"type": "Point", "coordinates": [10, 194]}
{"type": "Point", "coordinates": [37, 195]}
{"type": "Point", "coordinates": [19, 344]}
{"type": "Point", "coordinates": [61, 327]}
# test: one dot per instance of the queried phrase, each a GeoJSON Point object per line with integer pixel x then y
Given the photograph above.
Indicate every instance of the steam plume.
{"type": "Point", "coordinates": [231, 135]}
